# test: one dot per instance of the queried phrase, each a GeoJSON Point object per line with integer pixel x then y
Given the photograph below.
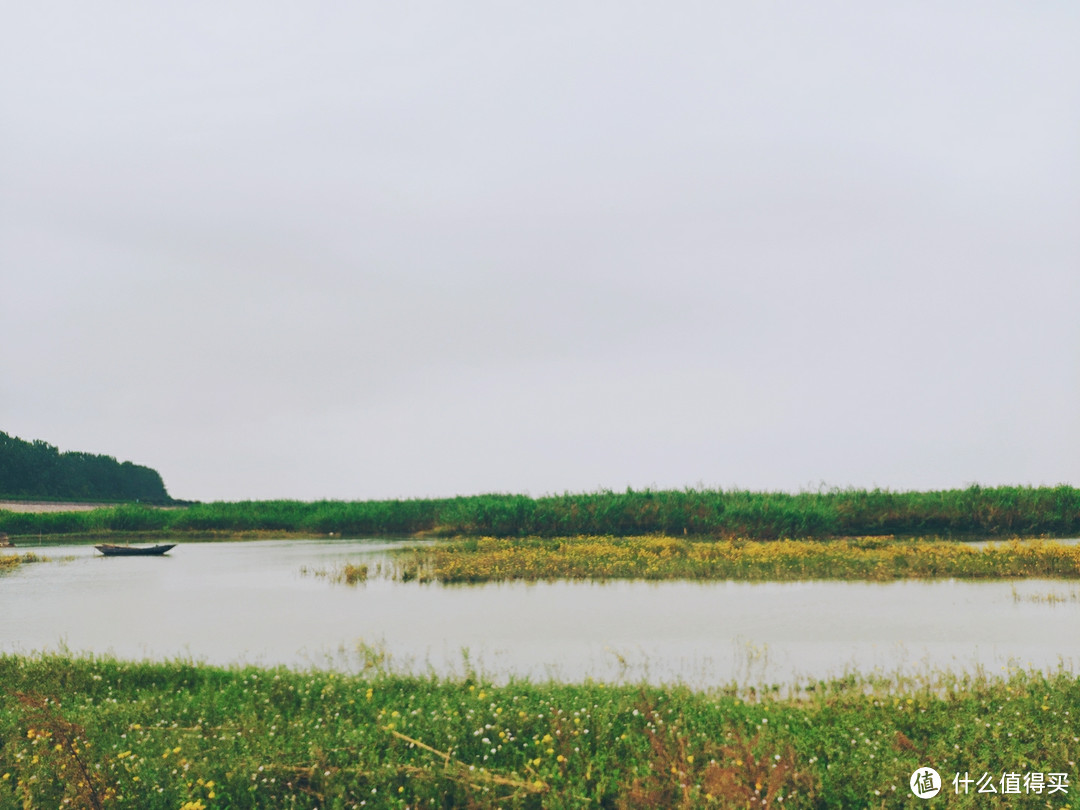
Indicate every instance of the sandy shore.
{"type": "Point", "coordinates": [49, 506]}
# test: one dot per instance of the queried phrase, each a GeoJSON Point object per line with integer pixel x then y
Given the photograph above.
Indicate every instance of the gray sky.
{"type": "Point", "coordinates": [368, 250]}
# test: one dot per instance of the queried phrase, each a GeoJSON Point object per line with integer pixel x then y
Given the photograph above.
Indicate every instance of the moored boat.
{"type": "Point", "coordinates": [133, 551]}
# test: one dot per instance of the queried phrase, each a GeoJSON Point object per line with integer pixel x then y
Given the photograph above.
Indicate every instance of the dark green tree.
{"type": "Point", "coordinates": [37, 469]}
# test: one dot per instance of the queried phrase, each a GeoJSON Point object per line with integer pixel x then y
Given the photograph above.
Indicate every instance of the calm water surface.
{"type": "Point", "coordinates": [249, 602]}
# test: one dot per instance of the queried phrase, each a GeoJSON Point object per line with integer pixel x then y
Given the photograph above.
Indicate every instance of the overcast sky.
{"type": "Point", "coordinates": [368, 250]}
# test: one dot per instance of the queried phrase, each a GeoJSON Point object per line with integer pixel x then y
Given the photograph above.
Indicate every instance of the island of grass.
{"type": "Point", "coordinates": [474, 560]}
{"type": "Point", "coordinates": [100, 733]}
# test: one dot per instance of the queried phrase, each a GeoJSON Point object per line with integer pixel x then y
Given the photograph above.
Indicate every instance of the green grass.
{"type": "Point", "coordinates": [101, 733]}
{"type": "Point", "coordinates": [976, 511]}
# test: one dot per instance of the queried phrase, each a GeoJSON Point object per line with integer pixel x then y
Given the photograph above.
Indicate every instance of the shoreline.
{"type": "Point", "coordinates": [36, 507]}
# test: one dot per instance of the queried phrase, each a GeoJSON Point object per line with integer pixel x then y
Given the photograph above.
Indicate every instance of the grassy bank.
{"type": "Point", "coordinates": [976, 511]}
{"type": "Point", "coordinates": [869, 558]}
{"type": "Point", "coordinates": [98, 733]}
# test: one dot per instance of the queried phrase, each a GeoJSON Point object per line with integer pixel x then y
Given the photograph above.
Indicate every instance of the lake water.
{"type": "Point", "coordinates": [249, 602]}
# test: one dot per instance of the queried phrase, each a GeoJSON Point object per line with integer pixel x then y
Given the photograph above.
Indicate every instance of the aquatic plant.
{"type": "Point", "coordinates": [1046, 597]}
{"type": "Point", "coordinates": [10, 561]}
{"type": "Point", "coordinates": [347, 573]}
{"type": "Point", "coordinates": [352, 574]}
{"type": "Point", "coordinates": [539, 558]}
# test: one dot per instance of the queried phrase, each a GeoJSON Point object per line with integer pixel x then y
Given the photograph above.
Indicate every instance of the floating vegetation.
{"type": "Point", "coordinates": [103, 733]}
{"type": "Point", "coordinates": [870, 558]}
{"type": "Point", "coordinates": [9, 561]}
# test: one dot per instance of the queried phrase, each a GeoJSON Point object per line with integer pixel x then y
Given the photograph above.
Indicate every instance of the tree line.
{"type": "Point", "coordinates": [37, 469]}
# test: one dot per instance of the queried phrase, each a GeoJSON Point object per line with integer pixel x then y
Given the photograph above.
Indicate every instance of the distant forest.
{"type": "Point", "coordinates": [38, 470]}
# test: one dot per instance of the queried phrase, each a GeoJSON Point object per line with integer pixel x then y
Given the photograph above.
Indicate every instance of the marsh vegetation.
{"type": "Point", "coordinates": [9, 561]}
{"type": "Point", "coordinates": [598, 558]}
{"type": "Point", "coordinates": [101, 733]}
{"type": "Point", "coordinates": [973, 512]}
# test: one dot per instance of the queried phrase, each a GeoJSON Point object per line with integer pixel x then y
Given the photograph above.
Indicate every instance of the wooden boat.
{"type": "Point", "coordinates": [133, 551]}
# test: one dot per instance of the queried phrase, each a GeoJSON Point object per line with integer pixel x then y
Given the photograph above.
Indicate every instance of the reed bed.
{"type": "Point", "coordinates": [975, 511]}
{"type": "Point", "coordinates": [99, 733]}
{"type": "Point", "coordinates": [493, 559]}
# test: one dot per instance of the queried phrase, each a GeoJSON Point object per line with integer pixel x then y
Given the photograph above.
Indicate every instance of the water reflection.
{"type": "Point", "coordinates": [249, 602]}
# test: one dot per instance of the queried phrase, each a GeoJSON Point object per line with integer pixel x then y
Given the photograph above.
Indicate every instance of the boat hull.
{"type": "Point", "coordinates": [133, 551]}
